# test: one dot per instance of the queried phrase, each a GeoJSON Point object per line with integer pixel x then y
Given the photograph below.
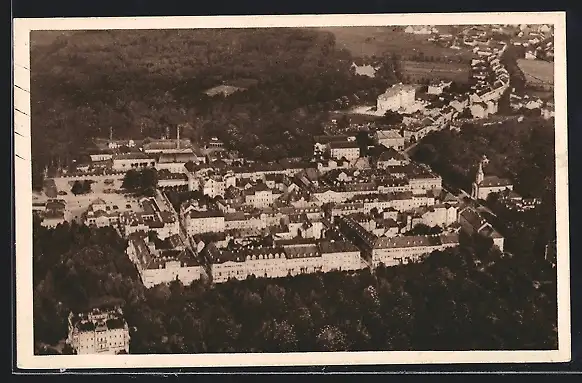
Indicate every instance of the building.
{"type": "Point", "coordinates": [198, 222]}
{"type": "Point", "coordinates": [472, 222]}
{"type": "Point", "coordinates": [101, 214]}
{"type": "Point", "coordinates": [397, 97]}
{"type": "Point", "coordinates": [392, 251]}
{"type": "Point", "coordinates": [438, 87]}
{"type": "Point", "coordinates": [54, 213]}
{"type": "Point", "coordinates": [98, 332]}
{"type": "Point", "coordinates": [436, 215]}
{"type": "Point", "coordinates": [390, 139]}
{"type": "Point", "coordinates": [340, 256]}
{"type": "Point", "coordinates": [136, 161]}
{"type": "Point", "coordinates": [163, 261]}
{"type": "Point", "coordinates": [345, 149]}
{"type": "Point", "coordinates": [485, 185]}
{"type": "Point", "coordinates": [391, 157]}
{"type": "Point", "coordinates": [262, 262]}
{"type": "Point", "coordinates": [169, 179]}
{"type": "Point", "coordinates": [479, 110]}
{"type": "Point", "coordinates": [260, 196]}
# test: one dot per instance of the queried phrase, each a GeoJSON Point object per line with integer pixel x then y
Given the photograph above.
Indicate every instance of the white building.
{"type": "Point", "coordinates": [397, 97]}
{"type": "Point", "coordinates": [392, 251]}
{"type": "Point", "coordinates": [485, 185]}
{"type": "Point", "coordinates": [346, 149]}
{"type": "Point", "coordinates": [98, 332]}
{"type": "Point", "coordinates": [198, 222]}
{"type": "Point", "coordinates": [174, 261]}
{"type": "Point", "coordinates": [438, 88]}
{"type": "Point", "coordinates": [136, 161]}
{"type": "Point", "coordinates": [101, 214]}
{"type": "Point", "coordinates": [339, 255]}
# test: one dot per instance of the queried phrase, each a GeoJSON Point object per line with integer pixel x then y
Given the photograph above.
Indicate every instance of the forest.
{"type": "Point", "coordinates": [467, 298]}
{"type": "Point", "coordinates": [138, 82]}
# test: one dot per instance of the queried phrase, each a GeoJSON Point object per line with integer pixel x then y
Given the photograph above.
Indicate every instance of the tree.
{"type": "Point", "coordinates": [331, 338]}
{"type": "Point", "coordinates": [77, 188]}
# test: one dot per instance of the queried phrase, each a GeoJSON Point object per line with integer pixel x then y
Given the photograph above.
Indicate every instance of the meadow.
{"type": "Point", "coordinates": [418, 71]}
{"type": "Point", "coordinates": [537, 72]}
{"type": "Point", "coordinates": [377, 41]}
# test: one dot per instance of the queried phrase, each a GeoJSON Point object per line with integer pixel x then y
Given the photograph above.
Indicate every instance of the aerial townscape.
{"type": "Point", "coordinates": [315, 189]}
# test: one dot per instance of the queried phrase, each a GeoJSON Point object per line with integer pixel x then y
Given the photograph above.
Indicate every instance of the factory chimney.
{"type": "Point", "coordinates": [111, 134]}
{"type": "Point", "coordinates": [178, 137]}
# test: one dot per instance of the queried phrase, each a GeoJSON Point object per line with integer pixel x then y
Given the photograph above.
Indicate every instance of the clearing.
{"type": "Point", "coordinates": [369, 41]}
{"type": "Point", "coordinates": [537, 72]}
{"type": "Point", "coordinates": [419, 70]}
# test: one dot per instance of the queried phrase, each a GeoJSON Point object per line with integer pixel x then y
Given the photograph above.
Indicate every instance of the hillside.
{"type": "Point", "coordinates": [140, 82]}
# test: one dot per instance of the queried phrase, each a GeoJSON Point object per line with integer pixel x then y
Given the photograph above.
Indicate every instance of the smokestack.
{"type": "Point", "coordinates": [178, 137]}
{"type": "Point", "coordinates": [167, 132]}
{"type": "Point", "coordinates": [111, 133]}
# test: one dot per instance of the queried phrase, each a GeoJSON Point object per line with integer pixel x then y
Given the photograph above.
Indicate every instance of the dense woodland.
{"type": "Point", "coordinates": [467, 298]}
{"type": "Point", "coordinates": [140, 82]}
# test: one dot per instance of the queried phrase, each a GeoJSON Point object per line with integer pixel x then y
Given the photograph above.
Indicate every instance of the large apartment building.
{"type": "Point", "coordinates": [98, 332]}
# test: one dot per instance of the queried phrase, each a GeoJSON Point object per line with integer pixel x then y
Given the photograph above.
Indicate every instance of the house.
{"type": "Point", "coordinates": [348, 150]}
{"type": "Point", "coordinates": [438, 87]}
{"type": "Point", "coordinates": [530, 54]}
{"type": "Point", "coordinates": [391, 157]}
{"type": "Point", "coordinates": [164, 261]}
{"type": "Point", "coordinates": [390, 139]}
{"type": "Point", "coordinates": [54, 213]}
{"type": "Point", "coordinates": [197, 222]}
{"type": "Point", "coordinates": [485, 185]}
{"type": "Point", "coordinates": [478, 110]}
{"type": "Point", "coordinates": [100, 214]}
{"type": "Point", "coordinates": [99, 331]}
{"type": "Point", "coordinates": [397, 97]}
{"type": "Point", "coordinates": [472, 222]}
{"type": "Point", "coordinates": [436, 215]}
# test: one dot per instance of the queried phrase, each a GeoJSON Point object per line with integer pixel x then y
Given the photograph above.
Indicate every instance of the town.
{"type": "Point", "coordinates": [193, 211]}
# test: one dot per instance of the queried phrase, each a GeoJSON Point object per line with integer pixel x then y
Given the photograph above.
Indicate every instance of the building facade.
{"type": "Point", "coordinates": [98, 332]}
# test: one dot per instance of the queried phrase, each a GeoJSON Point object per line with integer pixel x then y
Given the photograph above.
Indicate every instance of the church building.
{"type": "Point", "coordinates": [485, 185]}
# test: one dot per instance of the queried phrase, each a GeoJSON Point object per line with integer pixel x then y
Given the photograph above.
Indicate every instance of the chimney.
{"type": "Point", "coordinates": [178, 137]}
{"type": "Point", "coordinates": [111, 133]}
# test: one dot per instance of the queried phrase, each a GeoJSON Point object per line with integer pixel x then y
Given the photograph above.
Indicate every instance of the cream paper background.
{"type": "Point", "coordinates": [23, 195]}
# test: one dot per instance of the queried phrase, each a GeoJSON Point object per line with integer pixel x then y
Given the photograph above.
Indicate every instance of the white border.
{"type": "Point", "coordinates": [23, 195]}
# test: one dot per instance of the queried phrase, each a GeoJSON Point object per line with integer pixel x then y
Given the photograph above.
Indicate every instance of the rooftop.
{"type": "Point", "coordinates": [489, 181]}
{"type": "Point", "coordinates": [416, 241]}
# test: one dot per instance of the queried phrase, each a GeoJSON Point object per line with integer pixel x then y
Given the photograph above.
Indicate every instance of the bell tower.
{"type": "Point", "coordinates": [480, 174]}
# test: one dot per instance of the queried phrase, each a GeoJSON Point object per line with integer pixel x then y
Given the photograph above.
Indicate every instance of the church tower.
{"type": "Point", "coordinates": [480, 174]}
{"type": "Point", "coordinates": [478, 179]}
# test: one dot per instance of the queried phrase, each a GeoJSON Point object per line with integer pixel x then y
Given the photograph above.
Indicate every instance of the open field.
{"type": "Point", "coordinates": [417, 70]}
{"type": "Point", "coordinates": [368, 41]}
{"type": "Point", "coordinates": [537, 72]}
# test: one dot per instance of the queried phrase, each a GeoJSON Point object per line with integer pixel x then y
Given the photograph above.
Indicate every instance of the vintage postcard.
{"type": "Point", "coordinates": [291, 190]}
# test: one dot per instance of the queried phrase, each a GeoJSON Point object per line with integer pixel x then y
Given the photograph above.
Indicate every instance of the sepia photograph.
{"type": "Point", "coordinates": [291, 190]}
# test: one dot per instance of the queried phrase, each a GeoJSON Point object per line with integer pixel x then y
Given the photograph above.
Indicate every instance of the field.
{"type": "Point", "coordinates": [368, 41]}
{"type": "Point", "coordinates": [537, 72]}
{"type": "Point", "coordinates": [416, 71]}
